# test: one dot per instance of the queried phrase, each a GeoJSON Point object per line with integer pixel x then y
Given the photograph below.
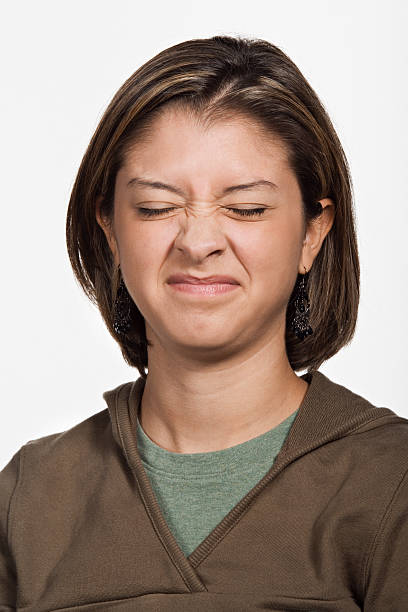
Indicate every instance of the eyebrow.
{"type": "Point", "coordinates": [137, 181]}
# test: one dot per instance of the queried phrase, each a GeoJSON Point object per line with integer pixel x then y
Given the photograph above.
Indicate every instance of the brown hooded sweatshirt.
{"type": "Point", "coordinates": [324, 529]}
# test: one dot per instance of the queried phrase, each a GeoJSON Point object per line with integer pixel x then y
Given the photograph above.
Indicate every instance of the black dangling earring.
{"type": "Point", "coordinates": [122, 320]}
{"type": "Point", "coordinates": [300, 321]}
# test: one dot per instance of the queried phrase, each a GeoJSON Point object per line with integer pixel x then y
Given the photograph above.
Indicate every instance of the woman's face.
{"type": "Point", "coordinates": [203, 236]}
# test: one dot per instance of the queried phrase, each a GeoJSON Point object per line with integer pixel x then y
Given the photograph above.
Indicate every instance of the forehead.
{"type": "Point", "coordinates": [203, 156]}
{"type": "Point", "coordinates": [177, 130]}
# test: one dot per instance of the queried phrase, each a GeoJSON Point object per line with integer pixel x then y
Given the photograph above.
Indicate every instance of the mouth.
{"type": "Point", "coordinates": [204, 288]}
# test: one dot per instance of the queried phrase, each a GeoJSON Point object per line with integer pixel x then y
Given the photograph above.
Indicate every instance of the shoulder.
{"type": "Point", "coordinates": [59, 467]}
{"type": "Point", "coordinates": [385, 433]}
{"type": "Point", "coordinates": [364, 442]}
{"type": "Point", "coordinates": [381, 437]}
{"type": "Point", "coordinates": [353, 414]}
{"type": "Point", "coordinates": [84, 437]}
{"type": "Point", "coordinates": [56, 456]}
{"type": "Point", "coordinates": [378, 449]}
{"type": "Point", "coordinates": [49, 464]}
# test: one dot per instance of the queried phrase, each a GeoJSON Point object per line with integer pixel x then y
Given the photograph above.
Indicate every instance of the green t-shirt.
{"type": "Point", "coordinates": [196, 490]}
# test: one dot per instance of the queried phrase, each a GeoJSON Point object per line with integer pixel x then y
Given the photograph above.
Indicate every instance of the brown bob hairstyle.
{"type": "Point", "coordinates": [215, 78]}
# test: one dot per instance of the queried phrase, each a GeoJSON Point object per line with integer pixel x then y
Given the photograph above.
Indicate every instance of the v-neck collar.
{"type": "Point", "coordinates": [328, 411]}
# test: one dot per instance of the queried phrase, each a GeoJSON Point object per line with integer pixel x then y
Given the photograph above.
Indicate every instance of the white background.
{"type": "Point", "coordinates": [62, 61]}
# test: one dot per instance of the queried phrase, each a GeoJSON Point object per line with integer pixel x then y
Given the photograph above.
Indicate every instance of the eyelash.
{"type": "Point", "coordinates": [151, 212]}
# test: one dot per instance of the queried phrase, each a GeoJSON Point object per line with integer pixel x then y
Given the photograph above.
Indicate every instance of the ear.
{"type": "Point", "coordinates": [315, 234]}
{"type": "Point", "coordinates": [107, 227]}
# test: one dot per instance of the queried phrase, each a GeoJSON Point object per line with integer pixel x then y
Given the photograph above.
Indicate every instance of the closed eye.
{"type": "Point", "coordinates": [150, 212]}
{"type": "Point", "coordinates": [248, 211]}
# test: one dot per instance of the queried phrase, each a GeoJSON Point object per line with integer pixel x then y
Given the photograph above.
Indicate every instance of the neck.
{"type": "Point", "coordinates": [193, 408]}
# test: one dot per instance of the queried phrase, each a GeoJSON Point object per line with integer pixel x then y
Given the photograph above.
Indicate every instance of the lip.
{"type": "Point", "coordinates": [204, 289]}
{"type": "Point", "coordinates": [195, 280]}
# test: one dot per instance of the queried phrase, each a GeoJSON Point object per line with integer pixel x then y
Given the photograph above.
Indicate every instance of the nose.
{"type": "Point", "coordinates": [200, 236]}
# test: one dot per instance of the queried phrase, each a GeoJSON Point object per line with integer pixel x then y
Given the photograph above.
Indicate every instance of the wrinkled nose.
{"type": "Point", "coordinates": [200, 235]}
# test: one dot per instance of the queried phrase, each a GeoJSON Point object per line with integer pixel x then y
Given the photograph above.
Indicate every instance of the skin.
{"type": "Point", "coordinates": [218, 372]}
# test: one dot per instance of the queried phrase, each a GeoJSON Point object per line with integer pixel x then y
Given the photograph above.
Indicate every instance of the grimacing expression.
{"type": "Point", "coordinates": [206, 233]}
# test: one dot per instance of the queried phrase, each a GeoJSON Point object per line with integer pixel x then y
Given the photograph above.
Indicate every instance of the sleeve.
{"type": "Point", "coordinates": [387, 568]}
{"type": "Point", "coordinates": [9, 477]}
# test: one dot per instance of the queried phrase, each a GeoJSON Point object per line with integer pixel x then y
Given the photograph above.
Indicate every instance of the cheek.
{"type": "Point", "coordinates": [142, 249]}
{"type": "Point", "coordinates": [275, 248]}
{"type": "Point", "coordinates": [273, 260]}
{"type": "Point", "coordinates": [139, 243]}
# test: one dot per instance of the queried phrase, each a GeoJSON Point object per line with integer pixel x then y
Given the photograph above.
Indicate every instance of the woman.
{"type": "Point", "coordinates": [212, 223]}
